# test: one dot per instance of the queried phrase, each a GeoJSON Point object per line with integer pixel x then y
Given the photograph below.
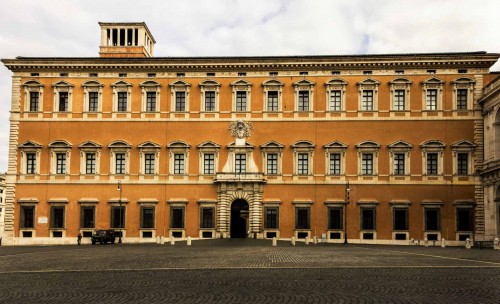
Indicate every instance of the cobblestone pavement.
{"type": "Point", "coordinates": [248, 271]}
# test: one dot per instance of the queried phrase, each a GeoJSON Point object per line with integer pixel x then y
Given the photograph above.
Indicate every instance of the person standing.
{"type": "Point", "coordinates": [79, 238]}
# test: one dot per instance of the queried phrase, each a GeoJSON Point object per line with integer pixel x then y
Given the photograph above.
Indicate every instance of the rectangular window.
{"type": "Point", "coordinates": [271, 218]}
{"type": "Point", "coordinates": [462, 99]}
{"type": "Point", "coordinates": [34, 101]}
{"type": "Point", "coordinates": [303, 101]}
{"type": "Point", "coordinates": [117, 216]}
{"type": "Point", "coordinates": [272, 101]}
{"type": "Point", "coordinates": [431, 99]}
{"type": "Point", "coordinates": [464, 219]}
{"type": "Point", "coordinates": [368, 218]}
{"type": "Point", "coordinates": [240, 165]}
{"type": "Point", "coordinates": [63, 101]}
{"type": "Point", "coordinates": [400, 219]}
{"type": "Point", "coordinates": [180, 101]}
{"type": "Point", "coordinates": [56, 217]}
{"type": "Point", "coordinates": [272, 163]}
{"type": "Point", "coordinates": [432, 163]}
{"type": "Point", "coordinates": [302, 218]}
{"type": "Point", "coordinates": [367, 164]}
{"type": "Point", "coordinates": [150, 101]}
{"type": "Point", "coordinates": [335, 100]}
{"type": "Point", "coordinates": [207, 218]}
{"type": "Point", "coordinates": [303, 164]}
{"type": "Point", "coordinates": [122, 102]}
{"type": "Point", "coordinates": [399, 100]}
{"type": "Point", "coordinates": [149, 163]}
{"type": "Point", "coordinates": [30, 163]}
{"type": "Point", "coordinates": [90, 161]}
{"type": "Point", "coordinates": [93, 101]}
{"type": "Point", "coordinates": [241, 101]}
{"type": "Point", "coordinates": [335, 218]}
{"type": "Point", "coordinates": [399, 163]}
{"type": "Point", "coordinates": [367, 100]}
{"type": "Point", "coordinates": [178, 163]}
{"type": "Point", "coordinates": [60, 163]}
{"type": "Point", "coordinates": [208, 163]}
{"type": "Point", "coordinates": [334, 163]}
{"type": "Point", "coordinates": [177, 217]}
{"type": "Point", "coordinates": [210, 101]}
{"type": "Point", "coordinates": [87, 214]}
{"type": "Point", "coordinates": [462, 163]}
{"type": "Point", "coordinates": [147, 217]}
{"type": "Point", "coordinates": [27, 219]}
{"type": "Point", "coordinates": [120, 163]}
{"type": "Point", "coordinates": [431, 219]}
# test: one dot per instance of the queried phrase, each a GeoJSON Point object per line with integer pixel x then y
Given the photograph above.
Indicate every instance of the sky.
{"type": "Point", "coordinates": [69, 28]}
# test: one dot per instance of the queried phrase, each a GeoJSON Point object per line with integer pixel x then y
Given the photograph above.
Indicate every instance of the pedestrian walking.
{"type": "Point", "coordinates": [79, 238]}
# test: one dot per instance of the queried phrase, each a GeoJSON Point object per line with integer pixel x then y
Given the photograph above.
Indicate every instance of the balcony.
{"type": "Point", "coordinates": [232, 177]}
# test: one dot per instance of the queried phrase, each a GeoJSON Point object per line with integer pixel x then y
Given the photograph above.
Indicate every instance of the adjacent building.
{"type": "Point", "coordinates": [363, 148]}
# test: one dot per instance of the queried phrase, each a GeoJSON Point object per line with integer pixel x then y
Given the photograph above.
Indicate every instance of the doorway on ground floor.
{"type": "Point", "coordinates": [239, 219]}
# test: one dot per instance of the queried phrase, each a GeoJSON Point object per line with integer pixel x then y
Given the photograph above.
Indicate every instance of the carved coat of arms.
{"type": "Point", "coordinates": [240, 129]}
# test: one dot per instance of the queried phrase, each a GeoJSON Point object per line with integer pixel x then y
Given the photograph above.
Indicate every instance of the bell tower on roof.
{"type": "Point", "coordinates": [126, 39]}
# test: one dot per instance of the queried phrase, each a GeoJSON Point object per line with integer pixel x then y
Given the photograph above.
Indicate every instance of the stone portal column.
{"type": "Point", "coordinates": [256, 211]}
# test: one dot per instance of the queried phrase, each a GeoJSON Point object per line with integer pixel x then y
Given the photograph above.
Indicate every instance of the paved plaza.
{"type": "Point", "coordinates": [248, 271]}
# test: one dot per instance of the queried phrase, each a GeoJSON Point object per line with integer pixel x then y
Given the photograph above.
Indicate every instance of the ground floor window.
{"type": "Point", "coordinates": [431, 219]}
{"type": "Point", "coordinates": [147, 217]}
{"type": "Point", "coordinates": [368, 218]}
{"type": "Point", "coordinates": [302, 220]}
{"type": "Point", "coordinates": [27, 217]}
{"type": "Point", "coordinates": [177, 217]}
{"type": "Point", "coordinates": [271, 219]}
{"type": "Point", "coordinates": [335, 218]}
{"type": "Point", "coordinates": [117, 216]}
{"type": "Point", "coordinates": [464, 219]}
{"type": "Point", "coordinates": [57, 217]}
{"type": "Point", "coordinates": [400, 218]}
{"type": "Point", "coordinates": [87, 214]}
{"type": "Point", "coordinates": [207, 217]}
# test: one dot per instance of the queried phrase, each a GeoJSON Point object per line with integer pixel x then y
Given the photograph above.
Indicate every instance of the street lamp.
{"type": "Point", "coordinates": [120, 203]}
{"type": "Point", "coordinates": [347, 191]}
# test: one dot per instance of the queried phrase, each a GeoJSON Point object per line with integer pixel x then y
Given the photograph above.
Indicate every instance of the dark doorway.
{"type": "Point", "coordinates": [239, 219]}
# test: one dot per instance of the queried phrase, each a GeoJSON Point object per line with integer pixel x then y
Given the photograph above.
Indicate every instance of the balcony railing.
{"type": "Point", "coordinates": [240, 177]}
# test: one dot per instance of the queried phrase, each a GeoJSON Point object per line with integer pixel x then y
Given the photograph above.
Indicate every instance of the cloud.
{"type": "Point", "coordinates": [68, 28]}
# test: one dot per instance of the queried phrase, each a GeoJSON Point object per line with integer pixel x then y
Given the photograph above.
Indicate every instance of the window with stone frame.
{"type": "Point", "coordinates": [432, 90]}
{"type": "Point", "coordinates": [432, 153]}
{"type": "Point", "coordinates": [209, 153]}
{"type": "Point", "coordinates": [60, 152]}
{"type": "Point", "coordinates": [180, 93]}
{"type": "Point", "coordinates": [150, 96]}
{"type": "Point", "coordinates": [463, 93]}
{"type": "Point", "coordinates": [271, 217]}
{"type": "Point", "coordinates": [335, 217]}
{"type": "Point", "coordinates": [463, 151]}
{"type": "Point", "coordinates": [335, 158]}
{"type": "Point", "coordinates": [92, 96]}
{"type": "Point", "coordinates": [30, 157]}
{"type": "Point", "coordinates": [177, 217]}
{"type": "Point", "coordinates": [87, 216]}
{"type": "Point", "coordinates": [240, 162]}
{"type": "Point", "coordinates": [209, 95]}
{"type": "Point", "coordinates": [122, 95]}
{"type": "Point", "coordinates": [147, 220]}
{"type": "Point", "coordinates": [179, 153]}
{"type": "Point", "coordinates": [400, 218]}
{"type": "Point", "coordinates": [33, 96]}
{"type": "Point", "coordinates": [335, 94]}
{"type": "Point", "coordinates": [368, 158]}
{"type": "Point", "coordinates": [400, 157]}
{"type": "Point", "coordinates": [207, 217]}
{"type": "Point", "coordinates": [27, 216]}
{"type": "Point", "coordinates": [368, 94]}
{"type": "Point", "coordinates": [271, 157]}
{"type": "Point", "coordinates": [118, 216]}
{"type": "Point", "coordinates": [368, 218]}
{"type": "Point", "coordinates": [465, 218]}
{"type": "Point", "coordinates": [241, 90]}
{"type": "Point", "coordinates": [272, 91]}
{"type": "Point", "coordinates": [90, 157]}
{"type": "Point", "coordinates": [400, 94]}
{"type": "Point", "coordinates": [432, 219]}
{"type": "Point", "coordinates": [57, 216]}
{"type": "Point", "coordinates": [303, 152]}
{"type": "Point", "coordinates": [149, 154]}
{"type": "Point", "coordinates": [304, 93]}
{"type": "Point", "coordinates": [120, 157]}
{"type": "Point", "coordinates": [63, 92]}
{"type": "Point", "coordinates": [302, 218]}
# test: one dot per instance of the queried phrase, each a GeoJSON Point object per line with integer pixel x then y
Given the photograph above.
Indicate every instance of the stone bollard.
{"type": "Point", "coordinates": [157, 240]}
{"type": "Point", "coordinates": [189, 241]}
{"type": "Point", "coordinates": [315, 240]}
{"type": "Point", "coordinates": [162, 240]}
{"type": "Point", "coordinates": [496, 244]}
{"type": "Point", "coordinates": [443, 242]}
{"type": "Point", "coordinates": [468, 243]}
{"type": "Point", "coordinates": [412, 241]}
{"type": "Point", "coordinates": [275, 242]}
{"type": "Point", "coordinates": [307, 240]}
{"type": "Point", "coordinates": [172, 241]}
{"type": "Point", "coordinates": [426, 242]}
{"type": "Point", "coordinates": [293, 241]}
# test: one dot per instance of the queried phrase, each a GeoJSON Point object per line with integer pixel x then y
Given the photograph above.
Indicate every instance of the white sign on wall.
{"type": "Point", "coordinates": [43, 220]}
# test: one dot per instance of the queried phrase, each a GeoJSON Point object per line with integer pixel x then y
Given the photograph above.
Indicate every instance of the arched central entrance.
{"type": "Point", "coordinates": [239, 219]}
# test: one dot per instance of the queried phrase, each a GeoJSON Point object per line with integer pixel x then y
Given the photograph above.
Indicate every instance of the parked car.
{"type": "Point", "coordinates": [103, 236]}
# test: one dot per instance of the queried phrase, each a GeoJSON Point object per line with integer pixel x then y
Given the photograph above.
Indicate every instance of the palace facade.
{"type": "Point", "coordinates": [363, 148]}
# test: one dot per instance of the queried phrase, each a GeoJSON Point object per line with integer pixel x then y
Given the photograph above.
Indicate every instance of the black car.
{"type": "Point", "coordinates": [103, 236]}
